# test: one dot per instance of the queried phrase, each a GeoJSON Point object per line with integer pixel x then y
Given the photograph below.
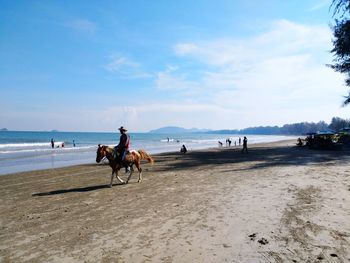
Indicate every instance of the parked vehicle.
{"type": "Point", "coordinates": [323, 141]}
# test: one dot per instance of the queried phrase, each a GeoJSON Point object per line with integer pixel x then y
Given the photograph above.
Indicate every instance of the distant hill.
{"type": "Point", "coordinates": [3, 129]}
{"type": "Point", "coordinates": [300, 128]}
{"type": "Point", "coordinates": [287, 129]}
{"type": "Point", "coordinates": [174, 129]}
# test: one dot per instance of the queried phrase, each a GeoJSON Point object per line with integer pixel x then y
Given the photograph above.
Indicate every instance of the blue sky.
{"type": "Point", "coordinates": [97, 65]}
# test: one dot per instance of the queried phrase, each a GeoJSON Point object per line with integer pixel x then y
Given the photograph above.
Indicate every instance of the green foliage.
{"type": "Point", "coordinates": [304, 127]}
{"type": "Point", "coordinates": [301, 128]}
{"type": "Point", "coordinates": [341, 41]}
{"type": "Point", "coordinates": [339, 123]}
{"type": "Point", "coordinates": [340, 7]}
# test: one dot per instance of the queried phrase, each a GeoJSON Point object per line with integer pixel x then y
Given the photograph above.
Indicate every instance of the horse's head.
{"type": "Point", "coordinates": [101, 153]}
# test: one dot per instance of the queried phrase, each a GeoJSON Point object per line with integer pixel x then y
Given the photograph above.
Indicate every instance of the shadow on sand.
{"type": "Point", "coordinates": [259, 157]}
{"type": "Point", "coordinates": [79, 190]}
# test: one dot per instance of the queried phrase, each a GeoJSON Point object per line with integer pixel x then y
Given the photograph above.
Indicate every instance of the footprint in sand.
{"type": "Point", "coordinates": [252, 236]}
{"type": "Point", "coordinates": [263, 241]}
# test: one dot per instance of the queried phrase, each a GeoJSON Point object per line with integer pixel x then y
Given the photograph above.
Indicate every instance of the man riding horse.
{"type": "Point", "coordinates": [123, 147]}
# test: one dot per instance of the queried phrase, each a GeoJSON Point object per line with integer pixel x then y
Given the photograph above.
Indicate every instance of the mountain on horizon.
{"type": "Point", "coordinates": [174, 129]}
{"type": "Point", "coordinates": [287, 129]}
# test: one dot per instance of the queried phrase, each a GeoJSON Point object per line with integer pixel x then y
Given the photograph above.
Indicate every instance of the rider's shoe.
{"type": "Point", "coordinates": [127, 169]}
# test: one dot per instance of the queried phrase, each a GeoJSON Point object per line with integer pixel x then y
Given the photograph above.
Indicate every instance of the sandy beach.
{"type": "Point", "coordinates": [278, 203]}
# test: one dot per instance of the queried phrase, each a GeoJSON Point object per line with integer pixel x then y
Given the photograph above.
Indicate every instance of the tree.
{"type": "Point", "coordinates": [338, 123]}
{"type": "Point", "coordinates": [341, 41]}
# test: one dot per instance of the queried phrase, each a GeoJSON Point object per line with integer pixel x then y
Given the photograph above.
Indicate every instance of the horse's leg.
{"type": "Point", "coordinates": [120, 179]}
{"type": "Point", "coordinates": [116, 175]}
{"type": "Point", "coordinates": [138, 166]}
{"type": "Point", "coordinates": [110, 185]}
{"type": "Point", "coordinates": [130, 173]}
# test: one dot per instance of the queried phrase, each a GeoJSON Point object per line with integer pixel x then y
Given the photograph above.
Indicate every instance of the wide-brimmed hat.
{"type": "Point", "coordinates": [122, 128]}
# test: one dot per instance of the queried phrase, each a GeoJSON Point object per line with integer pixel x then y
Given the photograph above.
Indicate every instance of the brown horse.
{"type": "Point", "coordinates": [131, 158]}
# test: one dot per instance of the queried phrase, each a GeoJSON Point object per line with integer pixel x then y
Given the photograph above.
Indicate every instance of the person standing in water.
{"type": "Point", "coordinates": [52, 143]}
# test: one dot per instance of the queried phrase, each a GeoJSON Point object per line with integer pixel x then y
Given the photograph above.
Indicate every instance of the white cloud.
{"type": "Point", "coordinates": [320, 4]}
{"type": "Point", "coordinates": [125, 67]}
{"type": "Point", "coordinates": [185, 48]}
{"type": "Point", "coordinates": [273, 78]}
{"type": "Point", "coordinates": [276, 77]}
{"type": "Point", "coordinates": [283, 38]}
{"type": "Point", "coordinates": [153, 115]}
{"type": "Point", "coordinates": [118, 63]}
{"type": "Point", "coordinates": [169, 81]}
{"type": "Point", "coordinates": [82, 25]}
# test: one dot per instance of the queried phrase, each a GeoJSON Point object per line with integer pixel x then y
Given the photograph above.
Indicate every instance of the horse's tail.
{"type": "Point", "coordinates": [145, 156]}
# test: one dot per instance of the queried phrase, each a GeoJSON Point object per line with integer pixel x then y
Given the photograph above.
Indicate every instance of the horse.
{"type": "Point", "coordinates": [131, 158]}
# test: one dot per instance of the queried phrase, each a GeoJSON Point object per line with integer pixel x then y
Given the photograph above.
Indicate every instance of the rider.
{"type": "Point", "coordinates": [123, 146]}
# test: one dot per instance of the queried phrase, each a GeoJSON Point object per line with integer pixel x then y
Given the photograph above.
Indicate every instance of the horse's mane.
{"type": "Point", "coordinates": [109, 149]}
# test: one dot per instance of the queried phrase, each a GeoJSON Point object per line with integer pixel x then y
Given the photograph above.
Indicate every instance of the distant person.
{"type": "Point", "coordinates": [168, 139]}
{"type": "Point", "coordinates": [62, 144]}
{"type": "Point", "coordinates": [300, 143]}
{"type": "Point", "coordinates": [183, 149]}
{"type": "Point", "coordinates": [220, 144]}
{"type": "Point", "coordinates": [239, 141]}
{"type": "Point", "coordinates": [229, 143]}
{"type": "Point", "coordinates": [245, 145]}
{"type": "Point", "coordinates": [52, 143]}
{"type": "Point", "coordinates": [235, 143]}
{"type": "Point", "coordinates": [73, 143]}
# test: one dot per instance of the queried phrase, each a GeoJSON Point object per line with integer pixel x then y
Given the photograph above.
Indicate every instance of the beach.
{"type": "Point", "coordinates": [277, 203]}
{"type": "Point", "coordinates": [22, 151]}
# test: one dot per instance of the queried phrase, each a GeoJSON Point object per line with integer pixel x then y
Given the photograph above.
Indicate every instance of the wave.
{"type": "Point", "coordinates": [166, 140]}
{"type": "Point", "coordinates": [41, 150]}
{"type": "Point", "coordinates": [23, 145]}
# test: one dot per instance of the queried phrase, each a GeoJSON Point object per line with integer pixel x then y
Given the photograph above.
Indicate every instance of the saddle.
{"type": "Point", "coordinates": [116, 155]}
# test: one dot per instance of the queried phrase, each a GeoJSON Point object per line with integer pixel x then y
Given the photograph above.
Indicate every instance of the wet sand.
{"type": "Point", "coordinates": [278, 203]}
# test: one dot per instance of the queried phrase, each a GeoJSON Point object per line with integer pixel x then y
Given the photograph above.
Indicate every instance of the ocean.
{"type": "Point", "coordinates": [25, 151]}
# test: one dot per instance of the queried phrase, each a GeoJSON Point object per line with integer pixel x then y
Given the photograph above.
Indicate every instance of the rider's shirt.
{"type": "Point", "coordinates": [124, 142]}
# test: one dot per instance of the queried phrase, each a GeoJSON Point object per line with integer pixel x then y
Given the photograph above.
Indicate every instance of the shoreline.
{"type": "Point", "coordinates": [66, 165]}
{"type": "Point", "coordinates": [278, 203]}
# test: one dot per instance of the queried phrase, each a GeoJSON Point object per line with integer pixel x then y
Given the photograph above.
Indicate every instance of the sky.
{"type": "Point", "coordinates": [223, 64]}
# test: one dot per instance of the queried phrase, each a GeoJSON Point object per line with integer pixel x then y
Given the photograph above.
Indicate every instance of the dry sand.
{"type": "Point", "coordinates": [278, 203]}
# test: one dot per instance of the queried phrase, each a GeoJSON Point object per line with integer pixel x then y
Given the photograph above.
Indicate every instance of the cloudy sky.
{"type": "Point", "coordinates": [223, 64]}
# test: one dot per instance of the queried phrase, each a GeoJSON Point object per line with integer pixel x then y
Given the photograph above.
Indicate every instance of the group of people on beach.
{"type": "Point", "coordinates": [168, 140]}
{"type": "Point", "coordinates": [61, 145]}
{"type": "Point", "coordinates": [245, 143]}
{"type": "Point", "coordinates": [123, 146]}
{"type": "Point", "coordinates": [57, 146]}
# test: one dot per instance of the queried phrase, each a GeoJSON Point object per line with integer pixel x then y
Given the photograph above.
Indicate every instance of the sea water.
{"type": "Point", "coordinates": [25, 151]}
